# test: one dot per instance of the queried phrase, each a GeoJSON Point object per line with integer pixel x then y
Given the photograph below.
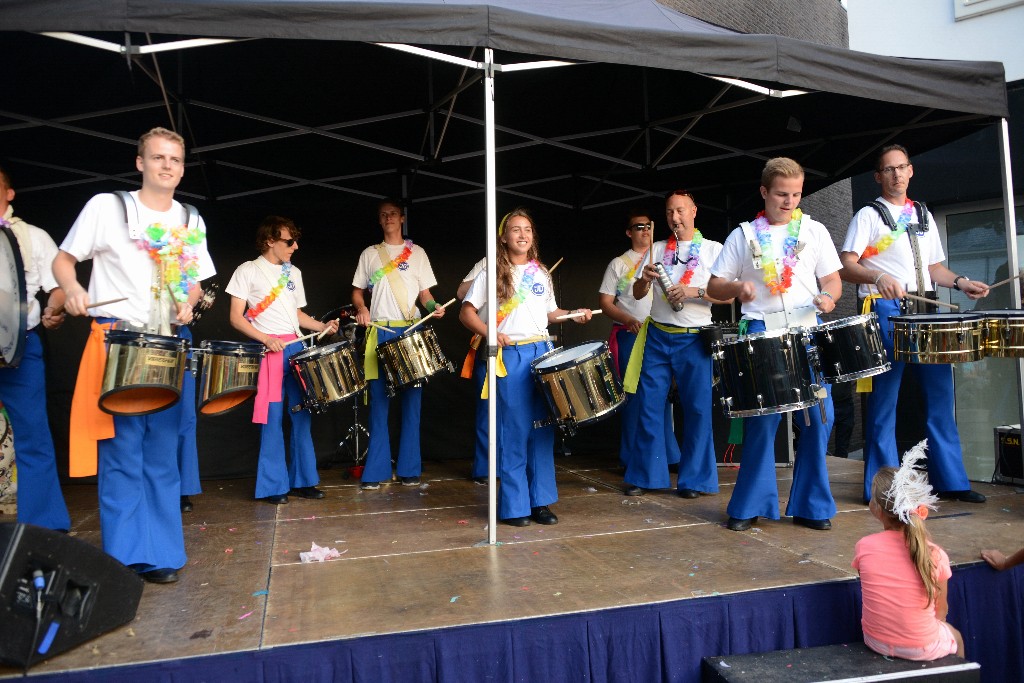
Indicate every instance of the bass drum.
{"type": "Point", "coordinates": [936, 338]}
{"type": "Point", "coordinates": [579, 383]}
{"type": "Point", "coordinates": [230, 371]}
{"type": "Point", "coordinates": [411, 358]}
{"type": "Point", "coordinates": [144, 371]}
{"type": "Point", "coordinates": [764, 373]}
{"type": "Point", "coordinates": [13, 300]}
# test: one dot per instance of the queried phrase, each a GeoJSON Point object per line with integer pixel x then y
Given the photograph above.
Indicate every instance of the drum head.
{"type": "Point", "coordinates": [937, 318]}
{"type": "Point", "coordinates": [13, 301]}
{"type": "Point", "coordinates": [560, 358]}
{"type": "Point", "coordinates": [1003, 314]}
{"type": "Point", "coordinates": [233, 348]}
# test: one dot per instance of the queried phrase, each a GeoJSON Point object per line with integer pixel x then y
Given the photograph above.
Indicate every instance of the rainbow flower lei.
{"type": "Point", "coordinates": [392, 264]}
{"type": "Point", "coordinates": [176, 250]}
{"type": "Point", "coordinates": [275, 291]}
{"type": "Point", "coordinates": [886, 241]}
{"type": "Point", "coordinates": [692, 261]}
{"type": "Point", "coordinates": [772, 280]}
{"type": "Point", "coordinates": [525, 285]}
{"type": "Point", "coordinates": [627, 278]}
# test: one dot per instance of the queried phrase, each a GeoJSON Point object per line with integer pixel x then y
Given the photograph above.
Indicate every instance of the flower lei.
{"type": "Point", "coordinates": [886, 241]}
{"type": "Point", "coordinates": [520, 296]}
{"type": "Point", "coordinates": [4, 223]}
{"type": "Point", "coordinates": [275, 291]}
{"type": "Point", "coordinates": [392, 264]}
{"type": "Point", "coordinates": [175, 250]}
{"type": "Point", "coordinates": [628, 276]}
{"type": "Point", "coordinates": [692, 260]}
{"type": "Point", "coordinates": [775, 283]}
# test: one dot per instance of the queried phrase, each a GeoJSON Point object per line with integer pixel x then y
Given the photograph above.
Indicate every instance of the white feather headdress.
{"type": "Point", "coordinates": [910, 489]}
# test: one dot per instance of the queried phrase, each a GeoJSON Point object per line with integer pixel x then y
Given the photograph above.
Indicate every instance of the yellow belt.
{"type": "Point", "coordinates": [864, 386]}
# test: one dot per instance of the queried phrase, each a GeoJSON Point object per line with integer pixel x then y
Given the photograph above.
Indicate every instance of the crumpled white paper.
{"type": "Point", "coordinates": [318, 554]}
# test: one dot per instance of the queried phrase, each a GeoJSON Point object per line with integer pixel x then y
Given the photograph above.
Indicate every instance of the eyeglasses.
{"type": "Point", "coordinates": [642, 226]}
{"type": "Point", "coordinates": [289, 242]}
{"type": "Point", "coordinates": [890, 170]}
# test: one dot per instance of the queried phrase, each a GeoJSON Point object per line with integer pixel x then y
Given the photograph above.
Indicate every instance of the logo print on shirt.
{"type": "Point", "coordinates": [538, 288]}
{"type": "Point", "coordinates": [404, 265]}
{"type": "Point", "coordinates": [291, 286]}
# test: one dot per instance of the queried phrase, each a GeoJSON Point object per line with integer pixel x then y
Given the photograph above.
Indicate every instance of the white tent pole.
{"type": "Point", "coordinates": [1010, 225]}
{"type": "Point", "coordinates": [492, 298]}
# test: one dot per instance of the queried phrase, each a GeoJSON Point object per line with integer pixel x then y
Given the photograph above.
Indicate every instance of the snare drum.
{"type": "Point", "coordinates": [229, 374]}
{"type": "Point", "coordinates": [579, 383]}
{"type": "Point", "coordinates": [848, 349]}
{"type": "Point", "coordinates": [410, 358]}
{"type": "Point", "coordinates": [1004, 334]}
{"type": "Point", "coordinates": [144, 372]}
{"type": "Point", "coordinates": [938, 337]}
{"type": "Point", "coordinates": [328, 374]}
{"type": "Point", "coordinates": [764, 373]}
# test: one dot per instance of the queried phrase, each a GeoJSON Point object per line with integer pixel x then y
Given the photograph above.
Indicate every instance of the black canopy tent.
{"type": "Point", "coordinates": [647, 97]}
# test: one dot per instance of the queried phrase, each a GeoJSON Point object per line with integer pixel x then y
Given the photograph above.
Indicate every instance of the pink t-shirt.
{"type": "Point", "coordinates": [895, 605]}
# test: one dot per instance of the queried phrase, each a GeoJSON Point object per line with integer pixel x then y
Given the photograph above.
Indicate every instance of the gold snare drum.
{"type": "Point", "coordinates": [933, 338]}
{"type": "Point", "coordinates": [144, 372]}
{"type": "Point", "coordinates": [230, 371]}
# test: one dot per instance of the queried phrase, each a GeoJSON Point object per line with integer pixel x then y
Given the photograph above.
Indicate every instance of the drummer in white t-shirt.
{"type": "Point", "coordinates": [796, 258]}
{"type": "Point", "coordinates": [267, 298]}
{"type": "Point", "coordinates": [526, 458]}
{"type": "Point", "coordinates": [628, 315]}
{"type": "Point", "coordinates": [394, 274]}
{"type": "Point", "coordinates": [139, 482]}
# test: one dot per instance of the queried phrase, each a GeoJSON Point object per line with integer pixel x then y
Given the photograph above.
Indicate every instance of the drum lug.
{"type": "Point", "coordinates": [760, 399]}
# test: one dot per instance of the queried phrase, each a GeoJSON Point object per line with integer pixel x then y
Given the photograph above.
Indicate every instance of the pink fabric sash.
{"type": "Point", "coordinates": [268, 382]}
{"type": "Point", "coordinates": [613, 347]}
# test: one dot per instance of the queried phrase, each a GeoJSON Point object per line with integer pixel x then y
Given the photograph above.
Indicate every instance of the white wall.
{"type": "Point", "coordinates": [926, 28]}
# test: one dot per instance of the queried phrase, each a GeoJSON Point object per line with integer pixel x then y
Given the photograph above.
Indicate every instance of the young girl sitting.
{"type": "Point", "coordinates": [904, 575]}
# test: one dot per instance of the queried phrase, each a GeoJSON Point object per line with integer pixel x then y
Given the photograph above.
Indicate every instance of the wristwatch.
{"type": "Point", "coordinates": [956, 282]}
{"type": "Point", "coordinates": [700, 292]}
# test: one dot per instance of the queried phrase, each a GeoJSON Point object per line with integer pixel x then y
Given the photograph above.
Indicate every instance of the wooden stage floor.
{"type": "Point", "coordinates": [411, 557]}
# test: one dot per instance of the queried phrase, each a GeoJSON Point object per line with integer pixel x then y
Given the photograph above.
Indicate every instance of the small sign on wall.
{"type": "Point", "coordinates": [965, 9]}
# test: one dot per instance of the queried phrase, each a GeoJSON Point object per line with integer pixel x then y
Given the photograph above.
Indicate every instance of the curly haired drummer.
{"type": "Point", "coordinates": [879, 258]}
{"type": "Point", "coordinates": [151, 250]}
{"type": "Point", "coordinates": [267, 298]}
{"type": "Point", "coordinates": [394, 274]}
{"type": "Point", "coordinates": [783, 267]}
{"type": "Point", "coordinates": [526, 458]}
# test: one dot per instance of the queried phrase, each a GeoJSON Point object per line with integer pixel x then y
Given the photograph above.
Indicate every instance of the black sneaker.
{"type": "Point", "coordinates": [309, 492]}
{"type": "Point", "coordinates": [186, 504]}
{"type": "Point", "coordinates": [369, 485]}
{"type": "Point", "coordinates": [160, 575]}
{"type": "Point", "coordinates": [410, 481]}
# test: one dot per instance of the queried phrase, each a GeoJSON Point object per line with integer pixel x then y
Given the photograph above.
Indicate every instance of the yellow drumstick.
{"type": "Point", "coordinates": [552, 268]}
{"type": "Point", "coordinates": [428, 315]}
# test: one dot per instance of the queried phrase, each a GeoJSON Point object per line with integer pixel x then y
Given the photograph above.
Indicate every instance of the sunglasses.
{"type": "Point", "coordinates": [289, 242]}
{"type": "Point", "coordinates": [681, 193]}
{"type": "Point", "coordinates": [642, 226]}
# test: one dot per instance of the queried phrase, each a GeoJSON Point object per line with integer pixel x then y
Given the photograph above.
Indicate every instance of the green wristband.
{"type": "Point", "coordinates": [431, 305]}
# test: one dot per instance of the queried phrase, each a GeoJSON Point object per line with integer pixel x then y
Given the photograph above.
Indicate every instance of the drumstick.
{"type": "Point", "coordinates": [1007, 280]}
{"type": "Point", "coordinates": [428, 316]}
{"type": "Point", "coordinates": [579, 314]}
{"type": "Point", "coordinates": [552, 268]}
{"type": "Point", "coordinates": [324, 331]}
{"type": "Point", "coordinates": [931, 301]}
{"type": "Point", "coordinates": [60, 309]}
{"type": "Point", "coordinates": [382, 328]}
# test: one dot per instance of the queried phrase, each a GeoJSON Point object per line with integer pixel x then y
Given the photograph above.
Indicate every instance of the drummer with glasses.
{"type": "Point", "coordinates": [783, 267]}
{"type": "Point", "coordinates": [671, 347]}
{"type": "Point", "coordinates": [526, 306]}
{"type": "Point", "coordinates": [267, 298]}
{"type": "Point", "coordinates": [23, 388]}
{"type": "Point", "coordinates": [879, 256]}
{"type": "Point", "coordinates": [151, 250]}
{"type": "Point", "coordinates": [392, 276]}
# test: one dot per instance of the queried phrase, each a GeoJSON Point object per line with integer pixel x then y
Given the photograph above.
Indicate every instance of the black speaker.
{"type": "Point", "coordinates": [57, 592]}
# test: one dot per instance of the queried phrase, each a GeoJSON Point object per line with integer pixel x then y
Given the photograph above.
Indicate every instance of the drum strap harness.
{"type": "Point", "coordinates": [913, 230]}
{"type": "Point", "coordinates": [398, 289]}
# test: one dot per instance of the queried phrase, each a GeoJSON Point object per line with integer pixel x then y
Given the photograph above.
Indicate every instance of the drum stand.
{"type": "Point", "coordinates": [357, 438]}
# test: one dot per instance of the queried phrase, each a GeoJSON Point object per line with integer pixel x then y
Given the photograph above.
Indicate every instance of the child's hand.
{"type": "Point", "coordinates": [994, 558]}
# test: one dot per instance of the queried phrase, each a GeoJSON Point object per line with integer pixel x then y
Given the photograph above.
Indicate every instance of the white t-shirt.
{"type": "Point", "coordinates": [477, 268]}
{"type": "Point", "coordinates": [817, 259]}
{"type": "Point", "coordinates": [529, 318]}
{"type": "Point", "coordinates": [867, 227]}
{"type": "Point", "coordinates": [39, 267]}
{"type": "Point", "coordinates": [120, 266]}
{"type": "Point", "coordinates": [252, 282]}
{"type": "Point", "coordinates": [415, 272]}
{"type": "Point", "coordinates": [624, 300]}
{"type": "Point", "coordinates": [696, 312]}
